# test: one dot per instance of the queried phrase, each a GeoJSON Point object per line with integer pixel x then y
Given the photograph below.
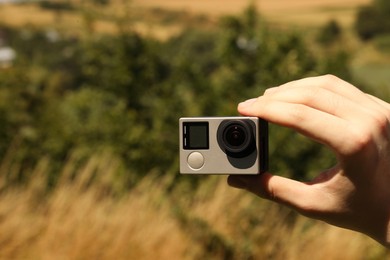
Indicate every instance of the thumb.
{"type": "Point", "coordinates": [292, 193]}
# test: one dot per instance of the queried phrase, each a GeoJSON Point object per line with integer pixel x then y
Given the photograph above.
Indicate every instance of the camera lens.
{"type": "Point", "coordinates": [236, 137]}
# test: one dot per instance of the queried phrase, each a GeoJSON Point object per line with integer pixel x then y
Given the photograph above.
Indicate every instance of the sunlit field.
{"type": "Point", "coordinates": [88, 126]}
{"type": "Point", "coordinates": [302, 12]}
{"type": "Point", "coordinates": [85, 219]}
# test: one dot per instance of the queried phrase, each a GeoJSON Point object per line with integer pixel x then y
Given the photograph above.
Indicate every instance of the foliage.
{"type": "Point", "coordinates": [56, 5]}
{"type": "Point", "coordinates": [372, 20]}
{"type": "Point", "coordinates": [330, 33]}
{"type": "Point", "coordinates": [124, 93]}
{"type": "Point", "coordinates": [101, 2]}
{"type": "Point", "coordinates": [382, 43]}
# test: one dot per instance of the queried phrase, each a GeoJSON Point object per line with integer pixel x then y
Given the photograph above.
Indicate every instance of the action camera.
{"type": "Point", "coordinates": [223, 145]}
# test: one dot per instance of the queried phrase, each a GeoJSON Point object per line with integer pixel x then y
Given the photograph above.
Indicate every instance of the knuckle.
{"type": "Point", "coordinates": [297, 113]}
{"type": "Point", "coordinates": [330, 82]}
{"type": "Point", "coordinates": [331, 79]}
{"type": "Point", "coordinates": [361, 138]}
{"type": "Point", "coordinates": [378, 124]}
{"type": "Point", "coordinates": [387, 115]}
{"type": "Point", "coordinates": [364, 136]}
{"type": "Point", "coordinates": [382, 123]}
{"type": "Point", "coordinates": [310, 95]}
{"type": "Point", "coordinates": [270, 91]}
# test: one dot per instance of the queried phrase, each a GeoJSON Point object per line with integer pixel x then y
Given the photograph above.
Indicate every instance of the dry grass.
{"type": "Point", "coordinates": [85, 219]}
{"type": "Point", "coordinates": [301, 12]}
{"type": "Point", "coordinates": [79, 21]}
{"type": "Point", "coordinates": [216, 7]}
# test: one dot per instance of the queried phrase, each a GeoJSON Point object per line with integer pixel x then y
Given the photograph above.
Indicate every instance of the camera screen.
{"type": "Point", "coordinates": [196, 135]}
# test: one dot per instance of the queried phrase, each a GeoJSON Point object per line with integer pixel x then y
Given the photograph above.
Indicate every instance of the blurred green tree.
{"type": "Point", "coordinates": [330, 33]}
{"type": "Point", "coordinates": [125, 92]}
{"type": "Point", "coordinates": [372, 20]}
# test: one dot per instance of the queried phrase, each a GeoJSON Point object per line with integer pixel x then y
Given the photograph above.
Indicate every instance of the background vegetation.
{"type": "Point", "coordinates": [89, 135]}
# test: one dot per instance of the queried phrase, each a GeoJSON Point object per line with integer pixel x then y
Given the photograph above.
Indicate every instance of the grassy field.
{"type": "Point", "coordinates": [78, 220]}
{"type": "Point", "coordinates": [303, 12]}
{"type": "Point", "coordinates": [371, 67]}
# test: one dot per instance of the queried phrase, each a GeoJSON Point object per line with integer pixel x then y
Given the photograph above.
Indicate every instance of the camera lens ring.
{"type": "Point", "coordinates": [236, 137]}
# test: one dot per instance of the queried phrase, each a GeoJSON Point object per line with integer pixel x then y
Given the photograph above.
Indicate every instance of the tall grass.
{"type": "Point", "coordinates": [87, 215]}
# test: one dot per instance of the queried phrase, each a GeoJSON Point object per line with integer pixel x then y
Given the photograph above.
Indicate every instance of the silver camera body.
{"type": "Point", "coordinates": [223, 145]}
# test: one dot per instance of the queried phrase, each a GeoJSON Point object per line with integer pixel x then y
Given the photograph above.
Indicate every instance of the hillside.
{"type": "Point", "coordinates": [300, 11]}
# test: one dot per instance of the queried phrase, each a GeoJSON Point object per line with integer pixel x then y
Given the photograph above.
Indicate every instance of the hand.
{"type": "Point", "coordinates": [355, 193]}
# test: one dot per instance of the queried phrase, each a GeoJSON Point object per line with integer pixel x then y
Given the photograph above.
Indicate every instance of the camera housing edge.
{"type": "Point", "coordinates": [223, 145]}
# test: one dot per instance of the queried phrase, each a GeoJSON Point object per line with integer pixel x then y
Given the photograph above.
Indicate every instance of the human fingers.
{"type": "Point", "coordinates": [323, 100]}
{"type": "Point", "coordinates": [318, 125]}
{"type": "Point", "coordinates": [385, 106]}
{"type": "Point", "coordinates": [330, 94]}
{"type": "Point", "coordinates": [297, 195]}
{"type": "Point", "coordinates": [329, 82]}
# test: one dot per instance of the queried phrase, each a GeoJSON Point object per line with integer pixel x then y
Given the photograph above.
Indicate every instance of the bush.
{"type": "Point", "coordinates": [372, 20]}
{"type": "Point", "coordinates": [57, 5]}
{"type": "Point", "coordinates": [126, 92]}
{"type": "Point", "coordinates": [382, 43]}
{"type": "Point", "coordinates": [330, 33]}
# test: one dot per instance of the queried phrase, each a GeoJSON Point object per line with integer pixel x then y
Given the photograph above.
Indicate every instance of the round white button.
{"type": "Point", "coordinates": [195, 160]}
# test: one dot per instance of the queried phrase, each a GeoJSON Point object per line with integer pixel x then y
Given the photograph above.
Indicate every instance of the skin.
{"type": "Point", "coordinates": [355, 193]}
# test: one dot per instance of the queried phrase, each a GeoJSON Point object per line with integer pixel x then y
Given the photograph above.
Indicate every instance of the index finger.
{"type": "Point", "coordinates": [315, 124]}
